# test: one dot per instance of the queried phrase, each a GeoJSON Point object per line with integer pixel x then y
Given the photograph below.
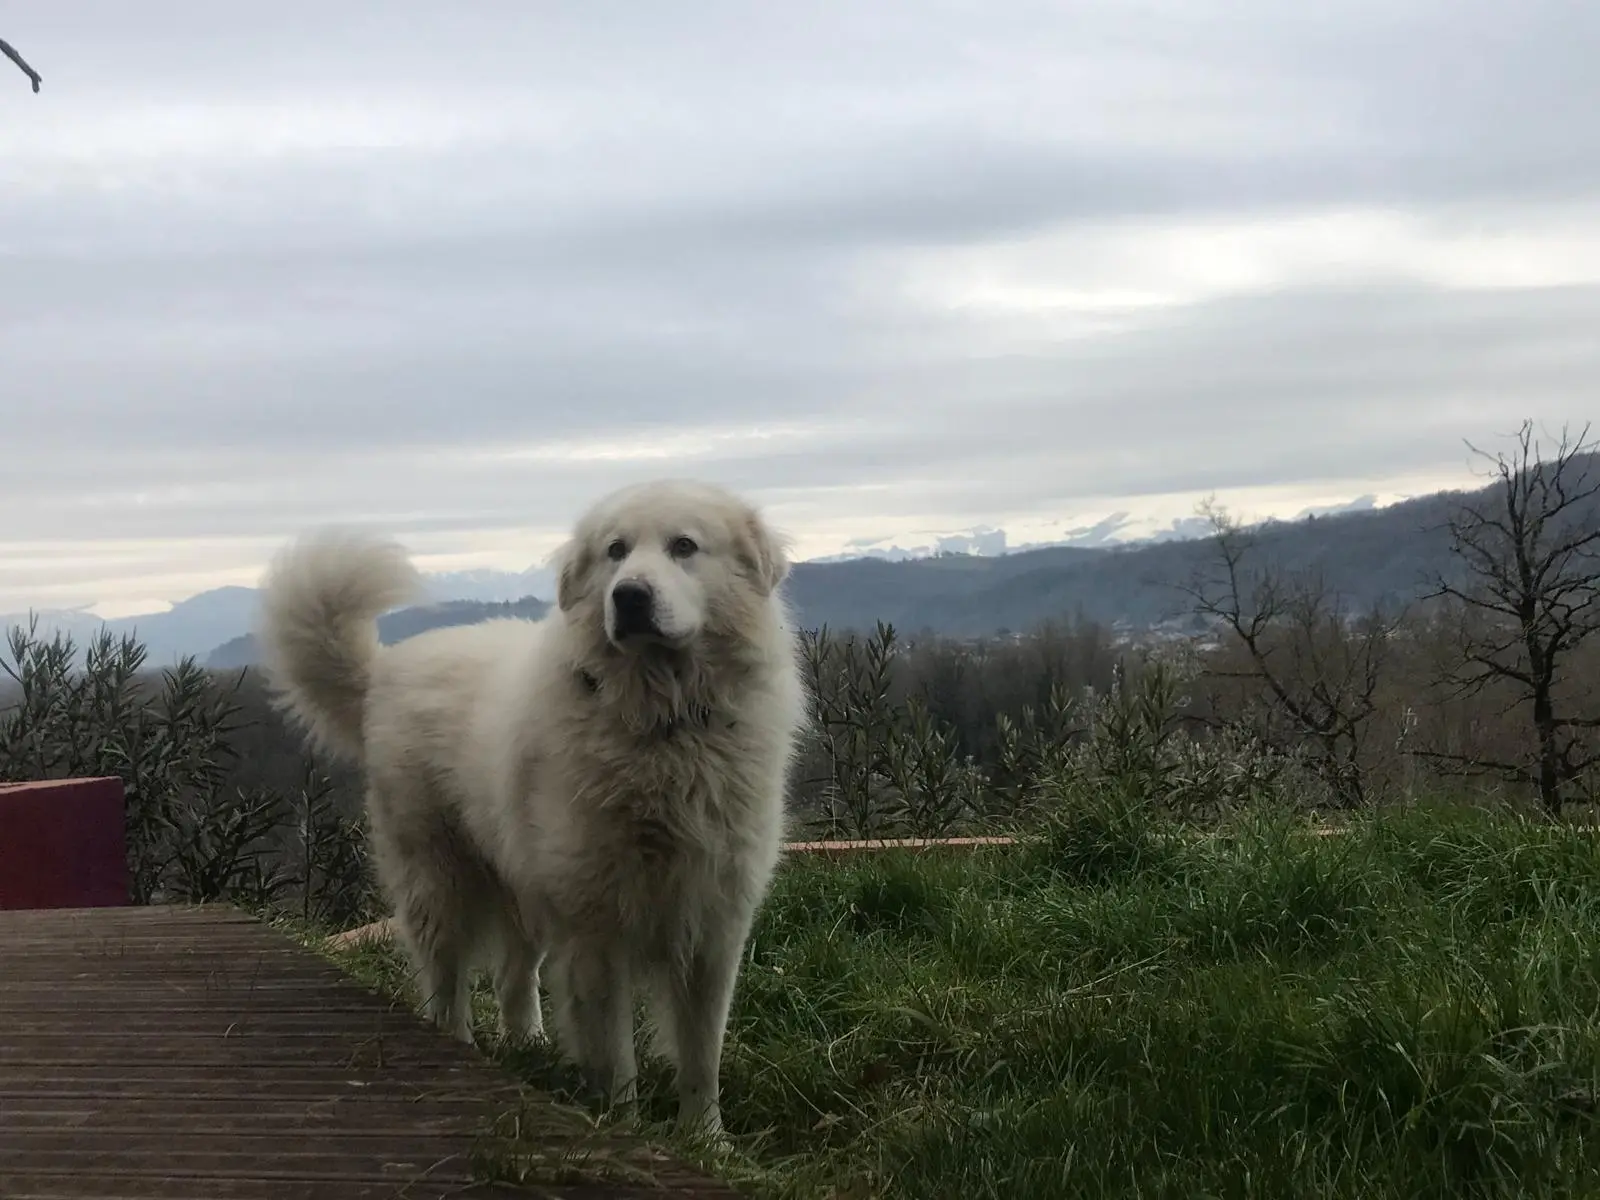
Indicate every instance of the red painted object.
{"type": "Point", "coordinates": [63, 845]}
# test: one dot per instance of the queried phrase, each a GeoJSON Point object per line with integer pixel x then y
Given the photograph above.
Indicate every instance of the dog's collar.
{"type": "Point", "coordinates": [701, 715]}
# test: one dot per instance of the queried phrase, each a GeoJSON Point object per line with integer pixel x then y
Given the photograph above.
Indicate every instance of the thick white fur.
{"type": "Point", "coordinates": [539, 793]}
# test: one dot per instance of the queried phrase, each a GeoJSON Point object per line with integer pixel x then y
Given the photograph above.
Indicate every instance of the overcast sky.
{"type": "Point", "coordinates": [891, 267]}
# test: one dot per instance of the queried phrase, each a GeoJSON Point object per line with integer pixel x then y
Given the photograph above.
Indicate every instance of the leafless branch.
{"type": "Point", "coordinates": [1315, 668]}
{"type": "Point", "coordinates": [10, 52]}
{"type": "Point", "coordinates": [1529, 594]}
{"type": "Point", "coordinates": [1464, 764]}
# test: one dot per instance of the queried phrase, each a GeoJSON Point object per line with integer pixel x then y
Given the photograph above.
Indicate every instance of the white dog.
{"type": "Point", "coordinates": [604, 786]}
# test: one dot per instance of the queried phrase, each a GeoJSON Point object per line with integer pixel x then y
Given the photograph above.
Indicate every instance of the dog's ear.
{"type": "Point", "coordinates": [573, 562]}
{"type": "Point", "coordinates": [763, 552]}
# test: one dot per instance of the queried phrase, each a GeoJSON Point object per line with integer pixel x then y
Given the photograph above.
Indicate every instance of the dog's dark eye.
{"type": "Point", "coordinates": [683, 547]}
{"type": "Point", "coordinates": [617, 551]}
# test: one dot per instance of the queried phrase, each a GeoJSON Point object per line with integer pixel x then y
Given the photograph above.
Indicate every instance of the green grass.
{"type": "Point", "coordinates": [1410, 1010]}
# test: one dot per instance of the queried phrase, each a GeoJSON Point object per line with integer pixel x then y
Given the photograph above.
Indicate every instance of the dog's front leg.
{"type": "Point", "coordinates": [701, 994]}
{"type": "Point", "coordinates": [600, 995]}
{"type": "Point", "coordinates": [446, 1000]}
{"type": "Point", "coordinates": [516, 990]}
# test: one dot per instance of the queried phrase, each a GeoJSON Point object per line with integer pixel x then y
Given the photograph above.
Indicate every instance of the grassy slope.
{"type": "Point", "coordinates": [1411, 1010]}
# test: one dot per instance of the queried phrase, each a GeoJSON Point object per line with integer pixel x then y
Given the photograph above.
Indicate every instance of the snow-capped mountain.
{"type": "Point", "coordinates": [491, 586]}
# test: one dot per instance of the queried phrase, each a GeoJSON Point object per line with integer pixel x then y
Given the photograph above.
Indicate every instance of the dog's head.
{"type": "Point", "coordinates": [669, 564]}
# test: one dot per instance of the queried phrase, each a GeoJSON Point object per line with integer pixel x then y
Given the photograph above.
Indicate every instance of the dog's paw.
{"type": "Point", "coordinates": [703, 1127]}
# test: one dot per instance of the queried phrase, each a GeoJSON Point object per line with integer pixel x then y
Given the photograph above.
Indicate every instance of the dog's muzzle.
{"type": "Point", "coordinates": [633, 609]}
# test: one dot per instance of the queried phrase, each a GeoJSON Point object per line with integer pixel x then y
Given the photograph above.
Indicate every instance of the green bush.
{"type": "Point", "coordinates": [168, 736]}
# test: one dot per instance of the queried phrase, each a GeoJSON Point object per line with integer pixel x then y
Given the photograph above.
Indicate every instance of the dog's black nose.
{"type": "Point", "coordinates": [635, 604]}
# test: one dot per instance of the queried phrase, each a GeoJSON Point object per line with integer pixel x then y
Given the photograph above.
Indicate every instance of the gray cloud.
{"type": "Point", "coordinates": [262, 273]}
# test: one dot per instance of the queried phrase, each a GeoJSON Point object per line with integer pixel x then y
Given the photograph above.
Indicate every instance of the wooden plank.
{"type": "Point", "coordinates": [181, 1053]}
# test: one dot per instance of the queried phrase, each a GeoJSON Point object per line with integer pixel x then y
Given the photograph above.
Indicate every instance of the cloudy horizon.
{"type": "Point", "coordinates": [894, 271]}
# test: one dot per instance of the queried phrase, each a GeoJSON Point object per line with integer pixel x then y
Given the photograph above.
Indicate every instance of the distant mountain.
{"type": "Point", "coordinates": [490, 585]}
{"type": "Point", "coordinates": [1367, 554]}
{"type": "Point", "coordinates": [397, 626]}
{"type": "Point", "coordinates": [208, 619]}
{"type": "Point", "coordinates": [1117, 529]}
{"type": "Point", "coordinates": [189, 627]}
{"type": "Point", "coordinates": [222, 615]}
{"type": "Point", "coordinates": [964, 583]}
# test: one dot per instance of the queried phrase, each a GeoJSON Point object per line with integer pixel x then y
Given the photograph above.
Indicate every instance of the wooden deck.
{"type": "Point", "coordinates": [197, 1054]}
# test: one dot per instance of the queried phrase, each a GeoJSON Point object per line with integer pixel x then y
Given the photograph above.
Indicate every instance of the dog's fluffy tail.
{"type": "Point", "coordinates": [319, 628]}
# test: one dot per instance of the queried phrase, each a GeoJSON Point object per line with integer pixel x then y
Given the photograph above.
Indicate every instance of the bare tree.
{"type": "Point", "coordinates": [10, 52]}
{"type": "Point", "coordinates": [1316, 670]}
{"type": "Point", "coordinates": [1526, 599]}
